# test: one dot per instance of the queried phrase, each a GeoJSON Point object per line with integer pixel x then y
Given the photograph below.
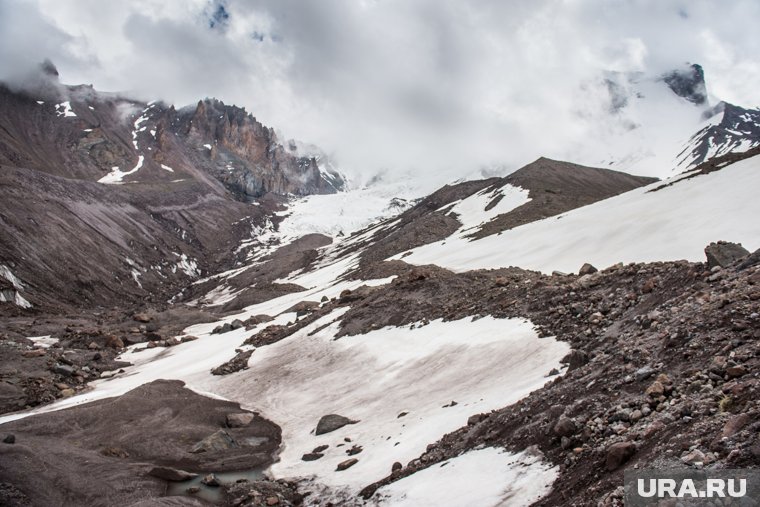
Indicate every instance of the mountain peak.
{"type": "Point", "coordinates": [688, 82]}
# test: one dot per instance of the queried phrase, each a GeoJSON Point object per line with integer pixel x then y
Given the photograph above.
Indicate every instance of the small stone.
{"type": "Point", "coordinates": [66, 393]}
{"type": "Point", "coordinates": [141, 317]}
{"type": "Point", "coordinates": [9, 439]}
{"type": "Point", "coordinates": [356, 449]}
{"type": "Point", "coordinates": [93, 346]}
{"type": "Point", "coordinates": [321, 448]}
{"type": "Point", "coordinates": [396, 467]}
{"type": "Point", "coordinates": [655, 390]}
{"type": "Point", "coordinates": [343, 465]}
{"type": "Point", "coordinates": [311, 456]}
{"type": "Point", "coordinates": [239, 420]}
{"type": "Point", "coordinates": [564, 427]}
{"type": "Point", "coordinates": [272, 500]}
{"type": "Point", "coordinates": [114, 342]}
{"type": "Point", "coordinates": [695, 457]}
{"type": "Point", "coordinates": [211, 480]}
{"type": "Point", "coordinates": [618, 454]}
{"type": "Point", "coordinates": [193, 490]}
{"type": "Point", "coordinates": [736, 371]}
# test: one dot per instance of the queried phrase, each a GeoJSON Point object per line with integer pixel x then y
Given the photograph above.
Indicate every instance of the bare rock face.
{"type": "Point", "coordinates": [688, 83]}
{"type": "Point", "coordinates": [332, 422]}
{"type": "Point", "coordinates": [723, 254]}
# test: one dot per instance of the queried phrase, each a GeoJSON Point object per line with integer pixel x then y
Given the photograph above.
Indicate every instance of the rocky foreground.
{"type": "Point", "coordinates": [663, 373]}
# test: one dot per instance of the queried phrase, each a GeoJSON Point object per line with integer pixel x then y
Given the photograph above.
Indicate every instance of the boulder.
{"type": "Point", "coordinates": [724, 254]}
{"type": "Point", "coordinates": [237, 324]}
{"type": "Point", "coordinates": [575, 359]}
{"type": "Point", "coordinates": [141, 317]}
{"type": "Point", "coordinates": [618, 454]}
{"type": "Point", "coordinates": [9, 439]}
{"type": "Point", "coordinates": [239, 420]}
{"type": "Point", "coordinates": [332, 422]}
{"type": "Point", "coordinates": [343, 465]}
{"type": "Point", "coordinates": [171, 474]}
{"type": "Point", "coordinates": [587, 269]}
{"type": "Point", "coordinates": [564, 427]}
{"type": "Point", "coordinates": [217, 441]}
{"type": "Point", "coordinates": [114, 342]}
{"type": "Point", "coordinates": [211, 480]}
{"type": "Point", "coordinates": [311, 456]}
{"type": "Point", "coordinates": [735, 425]}
{"type": "Point", "coordinates": [63, 369]}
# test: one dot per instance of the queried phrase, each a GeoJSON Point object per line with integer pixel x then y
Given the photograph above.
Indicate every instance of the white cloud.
{"type": "Point", "coordinates": [435, 87]}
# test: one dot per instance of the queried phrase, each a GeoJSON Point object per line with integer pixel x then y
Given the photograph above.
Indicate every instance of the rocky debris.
{"type": "Point", "coordinates": [237, 363]}
{"type": "Point", "coordinates": [239, 420]}
{"type": "Point", "coordinates": [311, 456]}
{"type": "Point", "coordinates": [321, 448]}
{"type": "Point", "coordinates": [670, 368]}
{"type": "Point", "coordinates": [114, 452]}
{"type": "Point", "coordinates": [9, 439]}
{"type": "Point", "coordinates": [220, 440]}
{"type": "Point", "coordinates": [723, 254]}
{"type": "Point", "coordinates": [618, 453]}
{"type": "Point", "coordinates": [211, 480]}
{"type": "Point", "coordinates": [344, 465]}
{"type": "Point", "coordinates": [587, 269]}
{"type": "Point", "coordinates": [171, 474]}
{"type": "Point", "coordinates": [11, 496]}
{"type": "Point", "coordinates": [264, 493]}
{"type": "Point", "coordinates": [332, 422]}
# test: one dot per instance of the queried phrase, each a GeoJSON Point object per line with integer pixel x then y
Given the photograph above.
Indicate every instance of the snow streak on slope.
{"type": "Point", "coordinates": [485, 477]}
{"type": "Point", "coordinates": [484, 206]}
{"type": "Point", "coordinates": [481, 364]}
{"type": "Point", "coordinates": [673, 223]}
{"type": "Point", "coordinates": [116, 176]}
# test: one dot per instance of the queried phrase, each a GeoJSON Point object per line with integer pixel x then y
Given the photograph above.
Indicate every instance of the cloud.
{"type": "Point", "coordinates": [434, 88]}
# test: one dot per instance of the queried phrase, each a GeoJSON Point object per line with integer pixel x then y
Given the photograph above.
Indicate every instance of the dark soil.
{"type": "Point", "coordinates": [101, 453]}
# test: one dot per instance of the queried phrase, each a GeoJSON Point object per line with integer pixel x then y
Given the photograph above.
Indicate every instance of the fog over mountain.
{"type": "Point", "coordinates": [440, 89]}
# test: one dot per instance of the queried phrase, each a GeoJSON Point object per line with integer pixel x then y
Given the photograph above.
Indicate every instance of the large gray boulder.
{"type": "Point", "coordinates": [724, 254]}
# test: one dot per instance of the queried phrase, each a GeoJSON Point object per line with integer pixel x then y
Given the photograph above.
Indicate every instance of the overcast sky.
{"type": "Point", "coordinates": [435, 86]}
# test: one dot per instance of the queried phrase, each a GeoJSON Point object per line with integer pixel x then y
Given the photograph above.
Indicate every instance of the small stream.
{"type": "Point", "coordinates": [212, 494]}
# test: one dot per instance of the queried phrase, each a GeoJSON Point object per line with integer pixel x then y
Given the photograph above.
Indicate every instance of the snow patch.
{"type": "Point", "coordinates": [42, 342]}
{"type": "Point", "coordinates": [487, 477]}
{"type": "Point", "coordinates": [167, 168]}
{"type": "Point", "coordinates": [673, 223]}
{"type": "Point", "coordinates": [64, 109]}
